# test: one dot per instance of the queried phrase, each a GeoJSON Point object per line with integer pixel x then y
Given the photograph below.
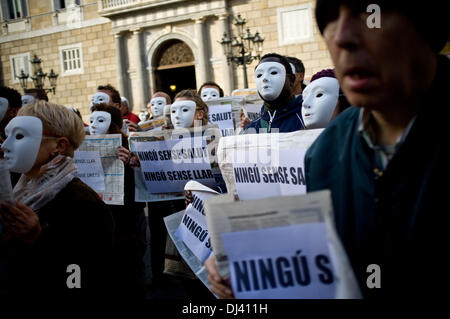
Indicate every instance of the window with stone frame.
{"type": "Point", "coordinates": [63, 4]}
{"type": "Point", "coordinates": [295, 24]}
{"type": "Point", "coordinates": [14, 9]}
{"type": "Point", "coordinates": [19, 62]}
{"type": "Point", "coordinates": [71, 59]}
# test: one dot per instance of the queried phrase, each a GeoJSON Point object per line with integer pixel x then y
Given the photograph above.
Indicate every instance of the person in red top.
{"type": "Point", "coordinates": [126, 114]}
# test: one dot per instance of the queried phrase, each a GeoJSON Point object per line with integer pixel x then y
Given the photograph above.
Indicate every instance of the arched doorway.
{"type": "Point", "coordinates": [175, 67]}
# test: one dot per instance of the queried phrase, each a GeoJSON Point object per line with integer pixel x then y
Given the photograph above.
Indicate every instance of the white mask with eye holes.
{"type": "Point", "coordinates": [270, 78]}
{"type": "Point", "coordinates": [4, 104]}
{"type": "Point", "coordinates": [27, 99]}
{"type": "Point", "coordinates": [157, 106]}
{"type": "Point", "coordinates": [99, 123]}
{"type": "Point", "coordinates": [182, 113]}
{"type": "Point", "coordinates": [99, 98]}
{"type": "Point", "coordinates": [21, 147]}
{"type": "Point", "coordinates": [209, 93]}
{"type": "Point", "coordinates": [319, 102]}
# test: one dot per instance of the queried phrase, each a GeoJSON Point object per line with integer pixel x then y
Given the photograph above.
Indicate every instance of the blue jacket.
{"type": "Point", "coordinates": [288, 119]}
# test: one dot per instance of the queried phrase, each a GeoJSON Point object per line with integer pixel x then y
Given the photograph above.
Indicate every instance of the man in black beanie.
{"type": "Point", "coordinates": [385, 159]}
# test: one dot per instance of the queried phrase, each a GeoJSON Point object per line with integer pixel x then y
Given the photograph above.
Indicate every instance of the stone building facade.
{"type": "Point", "coordinates": [141, 46]}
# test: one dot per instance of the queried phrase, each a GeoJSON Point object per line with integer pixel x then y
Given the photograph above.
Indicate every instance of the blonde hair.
{"type": "Point", "coordinates": [200, 104]}
{"type": "Point", "coordinates": [57, 120]}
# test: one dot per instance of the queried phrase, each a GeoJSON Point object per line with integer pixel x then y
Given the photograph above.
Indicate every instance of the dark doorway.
{"type": "Point", "coordinates": [173, 80]}
{"type": "Point", "coordinates": [175, 70]}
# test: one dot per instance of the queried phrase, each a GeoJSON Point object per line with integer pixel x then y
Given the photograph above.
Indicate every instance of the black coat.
{"type": "Point", "coordinates": [77, 228]}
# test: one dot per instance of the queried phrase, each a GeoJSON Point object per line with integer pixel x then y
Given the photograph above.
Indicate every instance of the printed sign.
{"type": "Point", "coordinates": [253, 111]}
{"type": "Point", "coordinates": [168, 165]}
{"type": "Point", "coordinates": [287, 262]}
{"type": "Point", "coordinates": [268, 173]}
{"type": "Point", "coordinates": [223, 117]}
{"type": "Point", "coordinates": [90, 169]}
{"type": "Point", "coordinates": [193, 230]}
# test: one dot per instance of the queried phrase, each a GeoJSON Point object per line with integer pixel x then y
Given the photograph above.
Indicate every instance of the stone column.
{"type": "Point", "coordinates": [140, 71]}
{"type": "Point", "coordinates": [203, 63]}
{"type": "Point", "coordinates": [227, 68]}
{"type": "Point", "coordinates": [120, 62]}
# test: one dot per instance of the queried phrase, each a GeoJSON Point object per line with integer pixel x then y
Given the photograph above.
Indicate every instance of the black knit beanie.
{"type": "Point", "coordinates": [430, 19]}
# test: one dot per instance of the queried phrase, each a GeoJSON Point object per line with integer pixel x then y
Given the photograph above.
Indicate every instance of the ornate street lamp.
{"type": "Point", "coordinates": [244, 48]}
{"type": "Point", "coordinates": [38, 76]}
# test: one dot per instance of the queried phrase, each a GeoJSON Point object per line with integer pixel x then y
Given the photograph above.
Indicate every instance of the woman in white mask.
{"type": "Point", "coordinates": [56, 220]}
{"type": "Point", "coordinates": [322, 100]}
{"type": "Point", "coordinates": [188, 109]}
{"type": "Point", "coordinates": [210, 91]}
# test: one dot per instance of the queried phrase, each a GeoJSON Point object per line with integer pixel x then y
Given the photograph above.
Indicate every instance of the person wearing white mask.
{"type": "Point", "coordinates": [99, 98]}
{"type": "Point", "coordinates": [188, 109]}
{"type": "Point", "coordinates": [158, 102]}
{"type": "Point", "coordinates": [57, 220]}
{"type": "Point", "coordinates": [281, 110]}
{"type": "Point", "coordinates": [322, 100]}
{"type": "Point", "coordinates": [210, 91]}
{"type": "Point", "coordinates": [99, 123]}
{"type": "Point", "coordinates": [27, 99]}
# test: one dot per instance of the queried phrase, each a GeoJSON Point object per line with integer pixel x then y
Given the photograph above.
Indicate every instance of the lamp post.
{"type": "Point", "coordinates": [243, 48]}
{"type": "Point", "coordinates": [38, 77]}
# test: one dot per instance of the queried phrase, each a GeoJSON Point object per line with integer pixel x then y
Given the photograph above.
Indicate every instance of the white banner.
{"type": "Point", "coordinates": [90, 169]}
{"type": "Point", "coordinates": [193, 230]}
{"type": "Point", "coordinates": [259, 174]}
{"type": "Point", "coordinates": [168, 165]}
{"type": "Point", "coordinates": [113, 168]}
{"type": "Point", "coordinates": [223, 117]}
{"type": "Point", "coordinates": [287, 262]}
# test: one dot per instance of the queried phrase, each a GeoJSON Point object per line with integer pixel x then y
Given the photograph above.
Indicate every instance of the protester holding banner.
{"type": "Point", "coordinates": [210, 91]}
{"type": "Point", "coordinates": [281, 110]}
{"type": "Point", "coordinates": [57, 221]}
{"type": "Point", "coordinates": [384, 159]}
{"type": "Point", "coordinates": [128, 257]}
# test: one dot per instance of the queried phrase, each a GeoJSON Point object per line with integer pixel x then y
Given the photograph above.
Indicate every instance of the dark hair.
{"type": "Point", "coordinates": [13, 97]}
{"type": "Point", "coordinates": [40, 93]}
{"type": "Point", "coordinates": [115, 95]}
{"type": "Point", "coordinates": [200, 104]}
{"type": "Point", "coordinates": [297, 63]}
{"type": "Point", "coordinates": [211, 83]}
{"type": "Point", "coordinates": [76, 111]}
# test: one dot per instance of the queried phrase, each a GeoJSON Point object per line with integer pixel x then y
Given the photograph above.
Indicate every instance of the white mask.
{"type": "Point", "coordinates": [157, 106]}
{"type": "Point", "coordinates": [319, 102]}
{"type": "Point", "coordinates": [99, 123]}
{"type": "Point", "coordinates": [21, 147]}
{"type": "Point", "coordinates": [209, 94]}
{"type": "Point", "coordinates": [99, 98]}
{"type": "Point", "coordinates": [27, 99]}
{"type": "Point", "coordinates": [182, 113]}
{"type": "Point", "coordinates": [270, 78]}
{"type": "Point", "coordinates": [4, 104]}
